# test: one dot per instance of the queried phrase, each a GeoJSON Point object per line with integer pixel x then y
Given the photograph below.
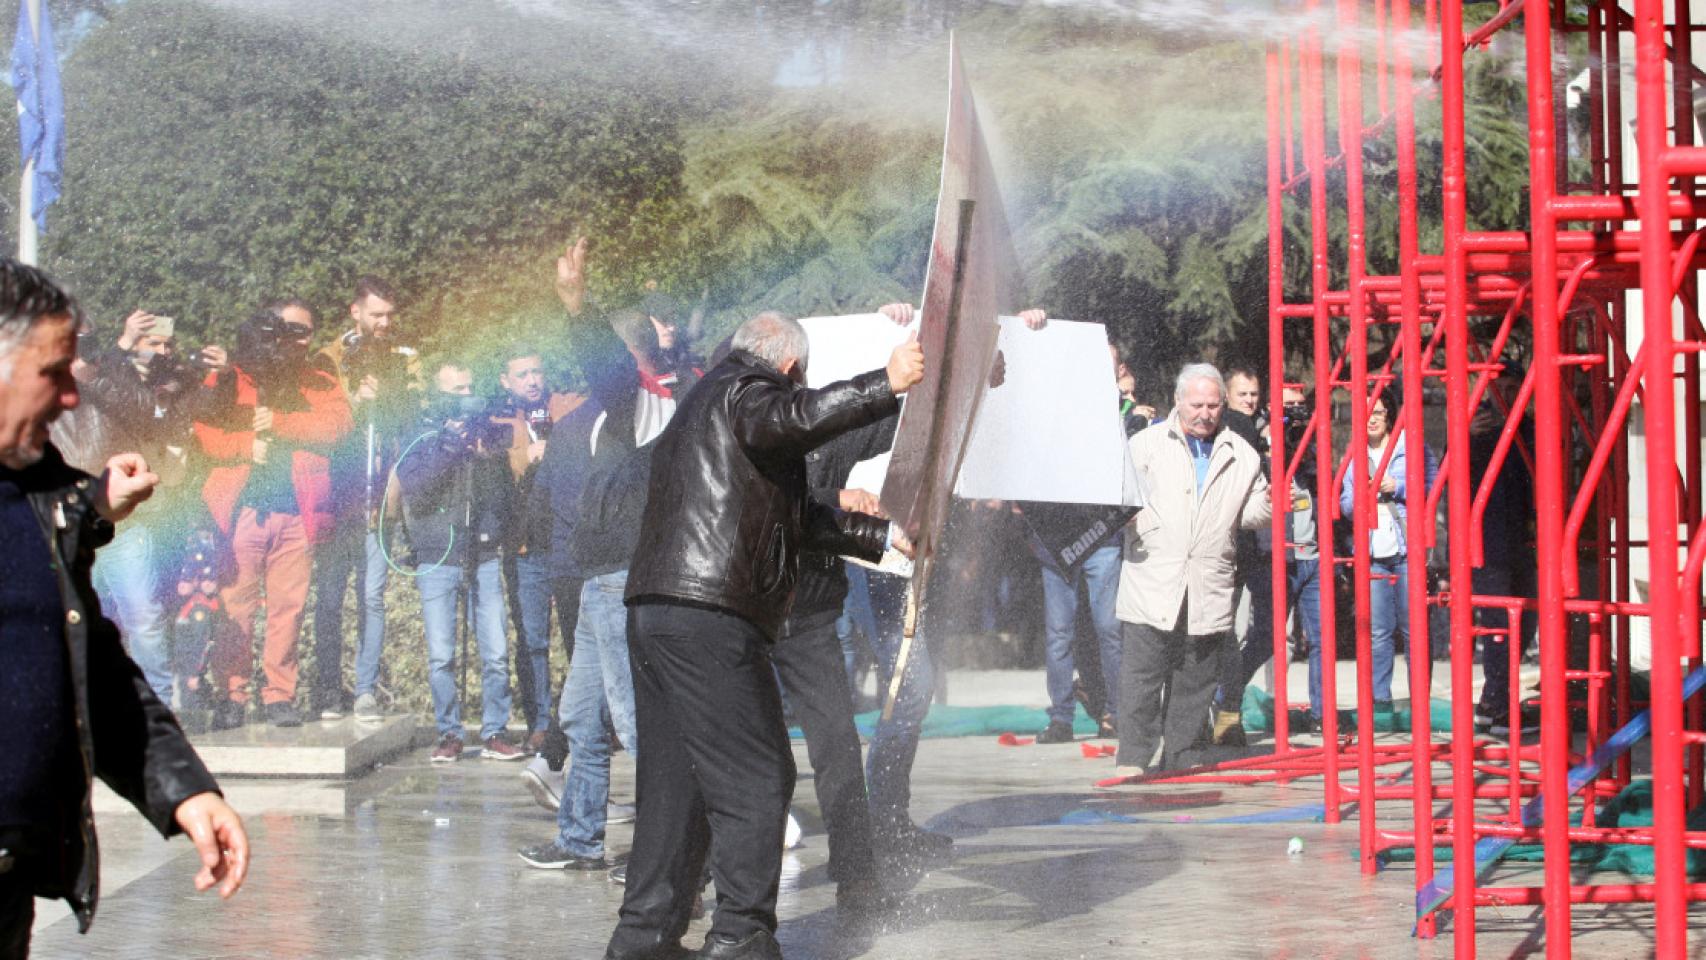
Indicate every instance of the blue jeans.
{"type": "Point", "coordinates": [856, 614]}
{"type": "Point", "coordinates": [1100, 575]}
{"type": "Point", "coordinates": [123, 577]}
{"type": "Point", "coordinates": [894, 745]}
{"type": "Point", "coordinates": [348, 551]}
{"type": "Point", "coordinates": [530, 601]}
{"type": "Point", "coordinates": [1306, 600]}
{"type": "Point", "coordinates": [1388, 612]}
{"type": "Point", "coordinates": [438, 609]}
{"type": "Point", "coordinates": [599, 690]}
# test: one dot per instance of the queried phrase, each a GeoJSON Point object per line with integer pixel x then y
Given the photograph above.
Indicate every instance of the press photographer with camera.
{"type": "Point", "coordinates": [269, 435]}
{"type": "Point", "coordinates": [140, 394]}
{"type": "Point", "coordinates": [457, 492]}
{"type": "Point", "coordinates": [382, 377]}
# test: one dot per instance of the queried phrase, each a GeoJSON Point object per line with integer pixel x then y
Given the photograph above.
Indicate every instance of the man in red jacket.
{"type": "Point", "coordinates": [269, 490]}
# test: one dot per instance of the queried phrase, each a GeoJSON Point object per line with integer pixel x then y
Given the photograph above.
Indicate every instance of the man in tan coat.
{"type": "Point", "coordinates": [1201, 484]}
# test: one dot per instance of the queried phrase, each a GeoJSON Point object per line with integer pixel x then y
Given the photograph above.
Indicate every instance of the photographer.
{"type": "Point", "coordinates": [140, 397]}
{"type": "Point", "coordinates": [457, 490]}
{"type": "Point", "coordinates": [527, 411]}
{"type": "Point", "coordinates": [382, 378]}
{"type": "Point", "coordinates": [269, 436]}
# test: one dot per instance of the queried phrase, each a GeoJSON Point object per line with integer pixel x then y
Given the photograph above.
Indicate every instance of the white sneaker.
{"type": "Point", "coordinates": [545, 784]}
{"type": "Point", "coordinates": [367, 708]}
{"type": "Point", "coordinates": [620, 813]}
{"type": "Point", "coordinates": [1128, 770]}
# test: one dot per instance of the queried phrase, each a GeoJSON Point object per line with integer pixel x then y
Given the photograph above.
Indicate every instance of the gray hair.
{"type": "Point", "coordinates": [773, 338]}
{"type": "Point", "coordinates": [28, 296]}
{"type": "Point", "coordinates": [1191, 373]}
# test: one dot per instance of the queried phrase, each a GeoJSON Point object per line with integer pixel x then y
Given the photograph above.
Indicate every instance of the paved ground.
{"type": "Point", "coordinates": [418, 861]}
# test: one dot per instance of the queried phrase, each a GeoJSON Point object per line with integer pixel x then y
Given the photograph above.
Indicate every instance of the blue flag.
{"type": "Point", "coordinates": [41, 110]}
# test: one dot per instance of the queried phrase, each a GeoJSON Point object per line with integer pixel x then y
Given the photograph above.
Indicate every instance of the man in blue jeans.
{"type": "Point", "coordinates": [456, 499]}
{"type": "Point", "coordinates": [603, 445]}
{"type": "Point", "coordinates": [1098, 574]}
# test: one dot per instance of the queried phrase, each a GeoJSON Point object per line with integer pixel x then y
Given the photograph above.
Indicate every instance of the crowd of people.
{"type": "Point", "coordinates": [684, 522]}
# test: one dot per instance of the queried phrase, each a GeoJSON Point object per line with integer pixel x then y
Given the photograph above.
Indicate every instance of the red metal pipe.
{"type": "Point", "coordinates": [1280, 489]}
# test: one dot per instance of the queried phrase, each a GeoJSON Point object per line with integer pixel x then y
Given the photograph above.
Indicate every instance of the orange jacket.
{"type": "Point", "coordinates": [307, 433]}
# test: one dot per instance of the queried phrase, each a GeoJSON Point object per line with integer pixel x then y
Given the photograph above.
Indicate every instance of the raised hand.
{"type": "Point", "coordinates": [1036, 319]}
{"type": "Point", "coordinates": [900, 313]}
{"type": "Point", "coordinates": [861, 501]}
{"type": "Point", "coordinates": [135, 326]}
{"type": "Point", "coordinates": [125, 484]}
{"type": "Point", "coordinates": [906, 365]}
{"type": "Point", "coordinates": [571, 276]}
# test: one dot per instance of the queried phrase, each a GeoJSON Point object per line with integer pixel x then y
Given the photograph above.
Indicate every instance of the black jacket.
{"type": "Point", "coordinates": [125, 735]}
{"type": "Point", "coordinates": [728, 510]}
{"type": "Point", "coordinates": [456, 500]}
{"type": "Point", "coordinates": [823, 581]}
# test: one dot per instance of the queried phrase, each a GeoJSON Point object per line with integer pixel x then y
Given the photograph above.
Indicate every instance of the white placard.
{"type": "Point", "coordinates": [1052, 430]}
{"type": "Point", "coordinates": [844, 347]}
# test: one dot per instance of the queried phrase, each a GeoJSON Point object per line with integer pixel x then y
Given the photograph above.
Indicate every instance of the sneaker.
{"type": "Point", "coordinates": [1057, 732]}
{"type": "Point", "coordinates": [284, 714]}
{"type": "Point", "coordinates": [331, 713]}
{"type": "Point", "coordinates": [497, 748]}
{"type": "Point", "coordinates": [367, 708]}
{"type": "Point", "coordinates": [449, 750]}
{"type": "Point", "coordinates": [535, 742]}
{"type": "Point", "coordinates": [228, 715]}
{"type": "Point", "coordinates": [619, 874]}
{"type": "Point", "coordinates": [1528, 717]}
{"type": "Point", "coordinates": [620, 813]}
{"type": "Point", "coordinates": [1128, 770]}
{"type": "Point", "coordinates": [552, 856]}
{"type": "Point", "coordinates": [545, 784]}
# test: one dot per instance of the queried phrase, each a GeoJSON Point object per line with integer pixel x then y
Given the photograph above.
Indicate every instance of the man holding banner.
{"type": "Point", "coordinates": [727, 517]}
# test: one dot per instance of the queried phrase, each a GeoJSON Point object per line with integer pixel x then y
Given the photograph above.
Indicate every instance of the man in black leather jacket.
{"type": "Point", "coordinates": [78, 705]}
{"type": "Point", "coordinates": [727, 516]}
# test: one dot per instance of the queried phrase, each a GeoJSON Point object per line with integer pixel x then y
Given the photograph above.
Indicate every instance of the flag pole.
{"type": "Point", "coordinates": [27, 240]}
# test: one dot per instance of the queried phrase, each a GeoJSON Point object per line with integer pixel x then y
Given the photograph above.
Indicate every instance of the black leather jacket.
{"type": "Point", "coordinates": [125, 735]}
{"type": "Point", "coordinates": [728, 511]}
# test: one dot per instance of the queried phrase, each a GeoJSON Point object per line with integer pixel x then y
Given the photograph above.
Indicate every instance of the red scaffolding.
{"type": "Point", "coordinates": [1600, 292]}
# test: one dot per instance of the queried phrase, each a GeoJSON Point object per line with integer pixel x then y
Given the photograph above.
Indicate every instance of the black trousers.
{"type": "Point", "coordinates": [342, 554]}
{"type": "Point", "coordinates": [17, 915]}
{"type": "Point", "coordinates": [814, 674]}
{"type": "Point", "coordinates": [715, 774]}
{"type": "Point", "coordinates": [1167, 678]}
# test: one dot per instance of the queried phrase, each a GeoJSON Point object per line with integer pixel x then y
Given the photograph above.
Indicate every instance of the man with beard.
{"type": "Point", "coordinates": [269, 490]}
{"type": "Point", "coordinates": [383, 381]}
{"type": "Point", "coordinates": [726, 519]}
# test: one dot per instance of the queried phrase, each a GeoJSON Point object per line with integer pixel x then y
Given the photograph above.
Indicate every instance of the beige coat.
{"type": "Point", "coordinates": [1183, 545]}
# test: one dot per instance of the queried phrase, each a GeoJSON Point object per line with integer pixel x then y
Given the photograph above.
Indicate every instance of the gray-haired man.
{"type": "Point", "coordinates": [1202, 483]}
{"type": "Point", "coordinates": [727, 515]}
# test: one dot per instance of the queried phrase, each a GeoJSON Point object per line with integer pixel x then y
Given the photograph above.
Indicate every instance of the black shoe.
{"type": "Point", "coordinates": [668, 951]}
{"type": "Point", "coordinates": [228, 715]}
{"type": "Point", "coordinates": [619, 873]}
{"type": "Point", "coordinates": [908, 843]}
{"type": "Point", "coordinates": [283, 714]}
{"type": "Point", "coordinates": [1107, 729]}
{"type": "Point", "coordinates": [760, 945]}
{"type": "Point", "coordinates": [859, 904]}
{"type": "Point", "coordinates": [1057, 732]}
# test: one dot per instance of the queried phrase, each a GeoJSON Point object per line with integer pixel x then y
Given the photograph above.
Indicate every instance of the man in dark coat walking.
{"type": "Point", "coordinates": [77, 703]}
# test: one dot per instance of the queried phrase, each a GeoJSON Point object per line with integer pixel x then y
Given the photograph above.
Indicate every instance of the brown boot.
{"type": "Point", "coordinates": [1228, 728]}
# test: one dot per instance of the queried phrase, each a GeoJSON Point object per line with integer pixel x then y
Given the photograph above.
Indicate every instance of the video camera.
{"type": "Point", "coordinates": [469, 419]}
{"type": "Point", "coordinates": [384, 360]}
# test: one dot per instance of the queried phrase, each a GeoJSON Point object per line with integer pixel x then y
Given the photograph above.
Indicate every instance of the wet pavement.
{"type": "Point", "coordinates": [417, 860]}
